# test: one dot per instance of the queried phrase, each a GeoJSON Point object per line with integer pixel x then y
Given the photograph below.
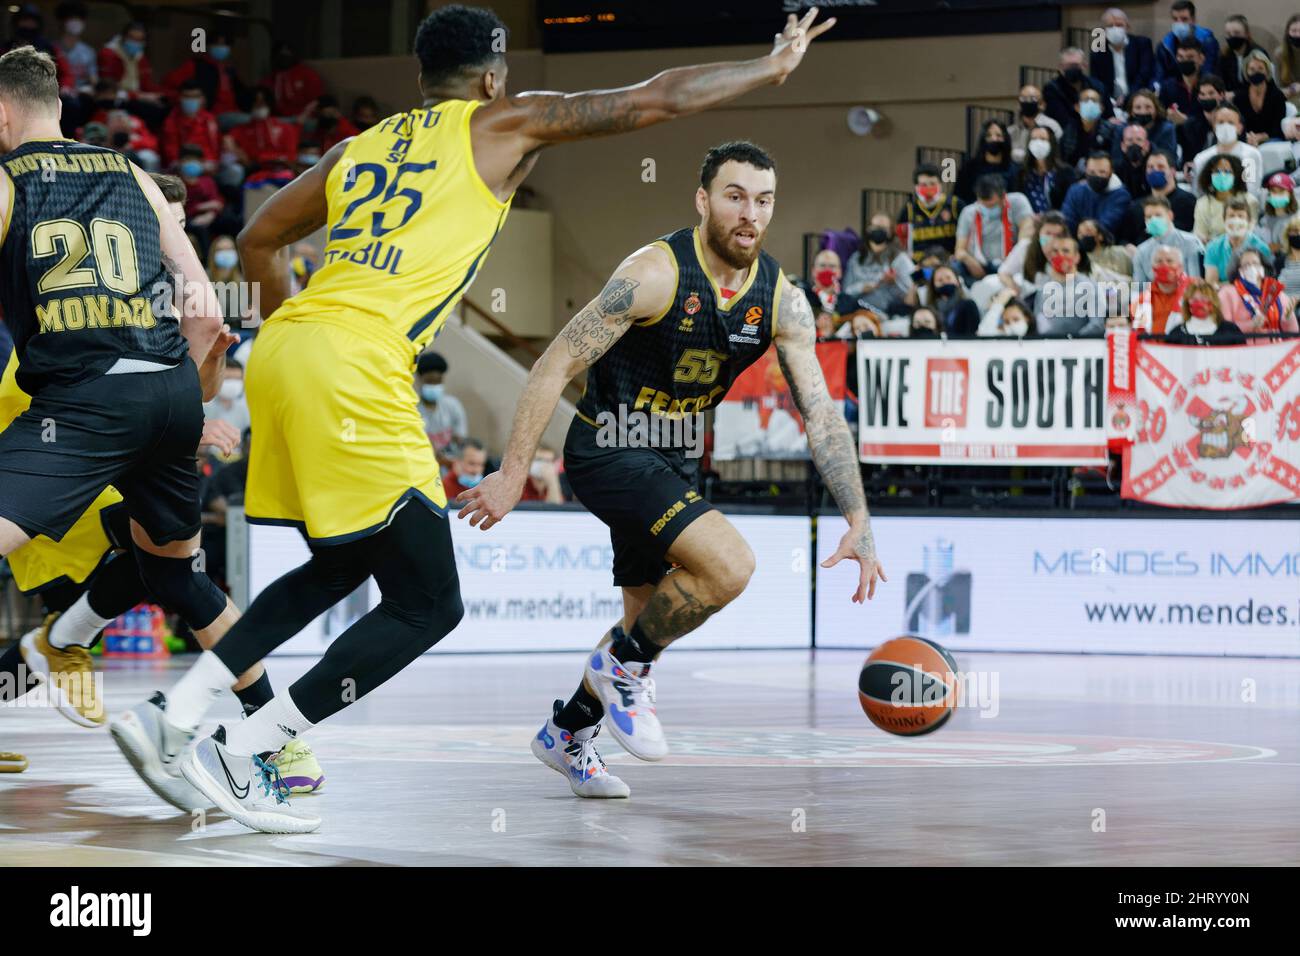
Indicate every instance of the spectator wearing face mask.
{"type": "Point", "coordinates": [203, 201]}
{"type": "Point", "coordinates": [1202, 322]}
{"type": "Point", "coordinates": [1108, 262]}
{"type": "Point", "coordinates": [230, 405]}
{"type": "Point", "coordinates": [1196, 129]}
{"type": "Point", "coordinates": [1068, 302]}
{"type": "Point", "coordinates": [1179, 92]}
{"type": "Point", "coordinates": [1085, 130]}
{"type": "Point", "coordinates": [1290, 268]}
{"type": "Point", "coordinates": [1129, 161]}
{"type": "Point", "coordinates": [1279, 208]}
{"type": "Point", "coordinates": [1026, 266]}
{"type": "Point", "coordinates": [1228, 129]}
{"type": "Point", "coordinates": [213, 70]}
{"type": "Point", "coordinates": [1102, 196]}
{"type": "Point", "coordinates": [1007, 317]}
{"type": "Point", "coordinates": [988, 229]}
{"type": "Point", "coordinates": [1182, 14]}
{"type": "Point", "coordinates": [1160, 226]}
{"type": "Point", "coordinates": [467, 468]}
{"type": "Point", "coordinates": [1145, 109]}
{"type": "Point", "coordinates": [294, 85]}
{"type": "Point", "coordinates": [879, 274]}
{"type": "Point", "coordinates": [1262, 104]}
{"type": "Point", "coordinates": [445, 421]}
{"type": "Point", "coordinates": [265, 145]}
{"type": "Point", "coordinates": [1062, 94]}
{"type": "Point", "coordinates": [1253, 300]}
{"type": "Point", "coordinates": [1238, 47]}
{"type": "Point", "coordinates": [27, 29]}
{"type": "Point", "coordinates": [228, 284]}
{"type": "Point", "coordinates": [327, 123]}
{"type": "Point", "coordinates": [1221, 183]}
{"type": "Point", "coordinates": [365, 113]}
{"type": "Point", "coordinates": [1287, 58]}
{"type": "Point", "coordinates": [1162, 185]}
{"type": "Point", "coordinates": [543, 482]}
{"type": "Point", "coordinates": [824, 292]}
{"type": "Point", "coordinates": [1127, 62]}
{"type": "Point", "coordinates": [992, 158]}
{"type": "Point", "coordinates": [1238, 221]}
{"type": "Point", "coordinates": [1158, 306]}
{"type": "Point", "coordinates": [958, 315]}
{"type": "Point", "coordinates": [929, 216]}
{"type": "Point", "coordinates": [1032, 116]}
{"type": "Point", "coordinates": [189, 122]}
{"type": "Point", "coordinates": [1044, 179]}
{"type": "Point", "coordinates": [925, 323]}
{"type": "Point", "coordinates": [79, 55]}
{"type": "Point", "coordinates": [931, 259]}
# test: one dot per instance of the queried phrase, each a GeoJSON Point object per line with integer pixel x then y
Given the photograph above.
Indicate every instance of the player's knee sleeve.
{"type": "Point", "coordinates": [191, 594]}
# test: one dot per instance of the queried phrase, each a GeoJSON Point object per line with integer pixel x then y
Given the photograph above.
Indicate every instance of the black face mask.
{"type": "Point", "coordinates": [878, 236]}
{"type": "Point", "coordinates": [1186, 67]}
{"type": "Point", "coordinates": [1258, 78]}
{"type": "Point", "coordinates": [1087, 243]}
{"type": "Point", "coordinates": [1207, 106]}
{"type": "Point", "coordinates": [1098, 183]}
{"type": "Point", "coordinates": [995, 149]}
{"type": "Point", "coordinates": [1236, 43]}
{"type": "Point", "coordinates": [1072, 74]}
{"type": "Point", "coordinates": [920, 333]}
{"type": "Point", "coordinates": [1293, 41]}
{"type": "Point", "coordinates": [1142, 119]}
{"type": "Point", "coordinates": [944, 291]}
{"type": "Point", "coordinates": [1028, 108]}
{"type": "Point", "coordinates": [1294, 240]}
{"type": "Point", "coordinates": [1134, 154]}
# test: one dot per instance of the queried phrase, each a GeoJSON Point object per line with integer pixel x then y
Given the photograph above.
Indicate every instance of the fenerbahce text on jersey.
{"type": "Point", "coordinates": [410, 223]}
{"type": "Point", "coordinates": [82, 281]}
{"type": "Point", "coordinates": [683, 361]}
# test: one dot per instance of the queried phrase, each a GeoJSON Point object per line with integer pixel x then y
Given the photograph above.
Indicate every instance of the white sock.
{"type": "Point", "coordinates": [194, 693]}
{"type": "Point", "coordinates": [273, 726]}
{"type": "Point", "coordinates": [77, 625]}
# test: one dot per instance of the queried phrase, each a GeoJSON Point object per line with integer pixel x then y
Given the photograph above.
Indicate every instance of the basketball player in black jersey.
{"type": "Point", "coordinates": [116, 357]}
{"type": "Point", "coordinates": [677, 322]}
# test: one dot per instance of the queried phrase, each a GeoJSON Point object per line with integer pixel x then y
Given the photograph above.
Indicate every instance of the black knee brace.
{"type": "Point", "coordinates": [174, 582]}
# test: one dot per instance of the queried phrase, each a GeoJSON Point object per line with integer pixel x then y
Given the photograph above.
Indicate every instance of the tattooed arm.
{"type": "Point", "coordinates": [829, 438]}
{"type": "Point", "coordinates": [510, 129]}
{"type": "Point", "coordinates": [292, 213]}
{"type": "Point", "coordinates": [641, 287]}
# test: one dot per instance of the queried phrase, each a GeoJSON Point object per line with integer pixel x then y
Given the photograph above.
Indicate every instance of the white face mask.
{"type": "Point", "coordinates": [232, 388]}
{"type": "Point", "coordinates": [1117, 36]}
{"type": "Point", "coordinates": [260, 112]}
{"type": "Point", "coordinates": [1226, 134]}
{"type": "Point", "coordinates": [1253, 274]}
{"type": "Point", "coordinates": [1039, 148]}
{"type": "Point", "coordinates": [1236, 227]}
{"type": "Point", "coordinates": [74, 27]}
{"type": "Point", "coordinates": [1016, 328]}
{"type": "Point", "coordinates": [1201, 326]}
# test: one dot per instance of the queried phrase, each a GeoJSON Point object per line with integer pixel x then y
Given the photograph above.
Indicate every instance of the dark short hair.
{"type": "Point", "coordinates": [925, 169]}
{"type": "Point", "coordinates": [1187, 5]}
{"type": "Point", "coordinates": [1214, 80]}
{"type": "Point", "coordinates": [1169, 157]}
{"type": "Point", "coordinates": [192, 149]}
{"type": "Point", "coordinates": [990, 185]}
{"type": "Point", "coordinates": [173, 187]}
{"type": "Point", "coordinates": [740, 151]}
{"type": "Point", "coordinates": [1189, 43]}
{"type": "Point", "coordinates": [70, 10]}
{"type": "Point", "coordinates": [29, 77]}
{"type": "Point", "coordinates": [454, 41]}
{"type": "Point", "coordinates": [472, 443]}
{"type": "Point", "coordinates": [431, 362]}
{"type": "Point", "coordinates": [1101, 154]}
{"type": "Point", "coordinates": [361, 101]}
{"type": "Point", "coordinates": [191, 84]}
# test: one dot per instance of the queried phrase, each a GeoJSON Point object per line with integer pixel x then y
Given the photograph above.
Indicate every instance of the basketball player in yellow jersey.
{"type": "Point", "coordinates": [412, 206]}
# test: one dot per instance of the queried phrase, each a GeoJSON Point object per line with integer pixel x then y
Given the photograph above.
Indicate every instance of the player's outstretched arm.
{"type": "Point", "coordinates": [292, 213]}
{"type": "Point", "coordinates": [541, 118]}
{"type": "Point", "coordinates": [829, 438]}
{"type": "Point", "coordinates": [641, 287]}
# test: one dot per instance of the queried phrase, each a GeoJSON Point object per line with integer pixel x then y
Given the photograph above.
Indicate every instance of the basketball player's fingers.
{"type": "Point", "coordinates": [821, 28]}
{"type": "Point", "coordinates": [880, 569]}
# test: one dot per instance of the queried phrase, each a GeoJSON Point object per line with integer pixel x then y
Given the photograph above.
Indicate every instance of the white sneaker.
{"type": "Point", "coordinates": [153, 746]}
{"type": "Point", "coordinates": [575, 756]}
{"type": "Point", "coordinates": [628, 693]}
{"type": "Point", "coordinates": [247, 789]}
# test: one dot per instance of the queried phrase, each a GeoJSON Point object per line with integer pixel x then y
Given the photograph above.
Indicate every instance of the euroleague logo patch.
{"type": "Point", "coordinates": [692, 304]}
{"type": "Point", "coordinates": [754, 315]}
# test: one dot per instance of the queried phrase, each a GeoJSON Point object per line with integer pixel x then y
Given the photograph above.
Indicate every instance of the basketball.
{"type": "Point", "coordinates": [908, 686]}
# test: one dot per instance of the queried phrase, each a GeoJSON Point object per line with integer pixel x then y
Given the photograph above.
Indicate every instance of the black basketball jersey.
{"type": "Point", "coordinates": [82, 283]}
{"type": "Point", "coordinates": [683, 361]}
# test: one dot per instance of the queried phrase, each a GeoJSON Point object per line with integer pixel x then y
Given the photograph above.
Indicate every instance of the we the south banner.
{"type": "Point", "coordinates": [1214, 427]}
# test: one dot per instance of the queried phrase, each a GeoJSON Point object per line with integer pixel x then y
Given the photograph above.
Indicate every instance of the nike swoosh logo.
{"type": "Point", "coordinates": [230, 781]}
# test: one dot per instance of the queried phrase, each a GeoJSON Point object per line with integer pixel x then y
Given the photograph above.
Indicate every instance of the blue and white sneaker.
{"type": "Point", "coordinates": [154, 747]}
{"type": "Point", "coordinates": [247, 789]}
{"type": "Point", "coordinates": [574, 755]}
{"type": "Point", "coordinates": [628, 693]}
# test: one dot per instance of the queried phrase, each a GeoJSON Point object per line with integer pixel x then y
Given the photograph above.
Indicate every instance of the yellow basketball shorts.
{"type": "Point", "coordinates": [42, 561]}
{"type": "Point", "coordinates": [338, 443]}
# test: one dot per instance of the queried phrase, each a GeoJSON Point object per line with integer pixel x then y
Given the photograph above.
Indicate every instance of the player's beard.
{"type": "Point", "coordinates": [721, 240]}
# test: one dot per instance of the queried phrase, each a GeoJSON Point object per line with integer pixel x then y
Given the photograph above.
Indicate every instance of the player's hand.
{"type": "Point", "coordinates": [792, 43]}
{"type": "Point", "coordinates": [220, 434]}
{"type": "Point", "coordinates": [490, 500]}
{"type": "Point", "coordinates": [225, 339]}
{"type": "Point", "coordinates": [858, 545]}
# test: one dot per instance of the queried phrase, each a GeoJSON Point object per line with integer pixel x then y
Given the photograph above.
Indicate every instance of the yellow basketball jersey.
{"type": "Point", "coordinates": [410, 223]}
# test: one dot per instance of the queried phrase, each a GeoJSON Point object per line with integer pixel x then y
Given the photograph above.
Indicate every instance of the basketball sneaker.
{"type": "Point", "coordinates": [628, 693]}
{"type": "Point", "coordinates": [247, 789]}
{"type": "Point", "coordinates": [153, 746]}
{"type": "Point", "coordinates": [67, 674]}
{"type": "Point", "coordinates": [575, 756]}
{"type": "Point", "coordinates": [12, 763]}
{"type": "Point", "coordinates": [298, 767]}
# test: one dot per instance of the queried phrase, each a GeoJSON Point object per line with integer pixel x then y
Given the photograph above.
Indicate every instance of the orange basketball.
{"type": "Point", "coordinates": [908, 686]}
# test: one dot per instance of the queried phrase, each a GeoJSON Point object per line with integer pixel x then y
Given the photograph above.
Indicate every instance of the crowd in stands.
{"type": "Point", "coordinates": [1146, 186]}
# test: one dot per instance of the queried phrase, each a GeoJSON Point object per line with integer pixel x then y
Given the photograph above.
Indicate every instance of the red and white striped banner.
{"type": "Point", "coordinates": [1214, 427]}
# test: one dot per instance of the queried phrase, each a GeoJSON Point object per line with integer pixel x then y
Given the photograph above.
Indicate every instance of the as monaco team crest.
{"type": "Point", "coordinates": [1215, 427]}
{"type": "Point", "coordinates": [692, 304]}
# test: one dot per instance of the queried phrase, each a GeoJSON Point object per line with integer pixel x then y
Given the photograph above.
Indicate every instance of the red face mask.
{"type": "Point", "coordinates": [927, 193]}
{"type": "Point", "coordinates": [1166, 275]}
{"type": "Point", "coordinates": [1200, 308]}
{"type": "Point", "coordinates": [1062, 263]}
{"type": "Point", "coordinates": [824, 277]}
